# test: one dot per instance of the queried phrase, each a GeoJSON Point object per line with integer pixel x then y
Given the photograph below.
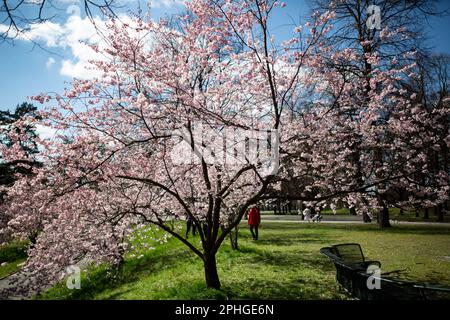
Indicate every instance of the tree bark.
{"type": "Point", "coordinates": [426, 214]}
{"type": "Point", "coordinates": [234, 238]}
{"type": "Point", "coordinates": [440, 213]}
{"type": "Point", "coordinates": [353, 211]}
{"type": "Point", "coordinates": [383, 218]}
{"type": "Point", "coordinates": [366, 217]}
{"type": "Point", "coordinates": [211, 275]}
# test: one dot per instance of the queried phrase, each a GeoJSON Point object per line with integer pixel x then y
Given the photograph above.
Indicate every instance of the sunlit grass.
{"type": "Point", "coordinates": [284, 264]}
{"type": "Point", "coordinates": [11, 256]}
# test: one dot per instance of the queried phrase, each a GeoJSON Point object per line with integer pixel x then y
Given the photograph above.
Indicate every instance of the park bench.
{"type": "Point", "coordinates": [352, 275]}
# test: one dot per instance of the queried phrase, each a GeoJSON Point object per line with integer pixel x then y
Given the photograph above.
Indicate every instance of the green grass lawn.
{"type": "Point", "coordinates": [12, 254]}
{"type": "Point", "coordinates": [10, 267]}
{"type": "Point", "coordinates": [284, 264]}
{"type": "Point", "coordinates": [340, 211]}
{"type": "Point", "coordinates": [394, 214]}
{"type": "Point", "coordinates": [411, 216]}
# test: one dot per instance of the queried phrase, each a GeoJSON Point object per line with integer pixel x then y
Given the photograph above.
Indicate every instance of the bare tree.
{"type": "Point", "coordinates": [17, 16]}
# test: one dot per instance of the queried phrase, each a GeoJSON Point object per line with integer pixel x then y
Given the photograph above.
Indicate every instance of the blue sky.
{"type": "Point", "coordinates": [26, 70]}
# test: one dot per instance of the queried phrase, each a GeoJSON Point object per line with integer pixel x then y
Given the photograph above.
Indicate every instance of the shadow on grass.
{"type": "Point", "coordinates": [293, 276]}
{"type": "Point", "coordinates": [433, 229]}
{"type": "Point", "coordinates": [284, 264]}
{"type": "Point", "coordinates": [114, 284]}
{"type": "Point", "coordinates": [283, 289]}
{"type": "Point", "coordinates": [292, 234]}
{"type": "Point", "coordinates": [289, 239]}
{"type": "Point", "coordinates": [289, 259]}
{"type": "Point", "coordinates": [105, 277]}
{"type": "Point", "coordinates": [434, 277]}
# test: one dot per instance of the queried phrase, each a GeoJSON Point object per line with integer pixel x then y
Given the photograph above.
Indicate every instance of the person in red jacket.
{"type": "Point", "coordinates": [254, 219]}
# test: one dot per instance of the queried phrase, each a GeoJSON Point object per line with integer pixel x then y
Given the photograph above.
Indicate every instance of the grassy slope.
{"type": "Point", "coordinates": [10, 268]}
{"type": "Point", "coordinates": [13, 254]}
{"type": "Point", "coordinates": [283, 264]}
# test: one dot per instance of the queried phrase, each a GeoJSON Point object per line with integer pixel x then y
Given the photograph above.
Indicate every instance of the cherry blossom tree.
{"type": "Point", "coordinates": [217, 79]}
{"type": "Point", "coordinates": [431, 93]}
{"type": "Point", "coordinates": [365, 143]}
{"type": "Point", "coordinates": [371, 64]}
{"type": "Point", "coordinates": [113, 168]}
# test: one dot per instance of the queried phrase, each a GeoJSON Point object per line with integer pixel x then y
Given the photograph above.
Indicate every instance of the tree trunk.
{"type": "Point", "coordinates": [426, 215]}
{"type": "Point", "coordinates": [366, 217]}
{"type": "Point", "coordinates": [383, 218]}
{"type": "Point", "coordinates": [402, 198]}
{"type": "Point", "coordinates": [211, 276]}
{"type": "Point", "coordinates": [417, 213]}
{"type": "Point", "coordinates": [440, 213]}
{"type": "Point", "coordinates": [234, 238]}
{"type": "Point", "coordinates": [353, 211]}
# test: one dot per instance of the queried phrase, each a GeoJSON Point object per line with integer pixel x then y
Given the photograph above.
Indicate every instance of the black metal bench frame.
{"type": "Point", "coordinates": [352, 276]}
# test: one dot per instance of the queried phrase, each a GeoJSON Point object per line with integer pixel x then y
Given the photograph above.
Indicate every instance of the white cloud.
{"type": "Point", "coordinates": [69, 1]}
{"type": "Point", "coordinates": [45, 132]}
{"type": "Point", "coordinates": [48, 32]}
{"type": "Point", "coordinates": [50, 62]}
{"type": "Point", "coordinates": [3, 28]}
{"type": "Point", "coordinates": [75, 34]}
{"type": "Point", "coordinates": [78, 69]}
{"type": "Point", "coordinates": [165, 3]}
{"type": "Point", "coordinates": [79, 33]}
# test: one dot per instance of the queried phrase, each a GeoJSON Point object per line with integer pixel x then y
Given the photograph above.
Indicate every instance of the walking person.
{"type": "Point", "coordinates": [307, 214]}
{"type": "Point", "coordinates": [190, 224]}
{"type": "Point", "coordinates": [317, 217]}
{"type": "Point", "coordinates": [254, 219]}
